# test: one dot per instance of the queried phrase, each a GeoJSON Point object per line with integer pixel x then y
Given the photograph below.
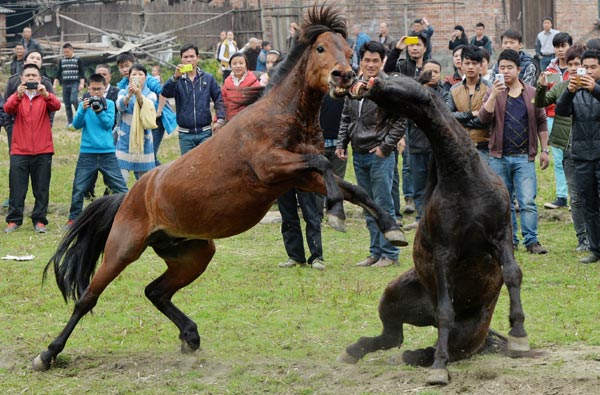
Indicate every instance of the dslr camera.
{"type": "Point", "coordinates": [32, 85]}
{"type": "Point", "coordinates": [97, 103]}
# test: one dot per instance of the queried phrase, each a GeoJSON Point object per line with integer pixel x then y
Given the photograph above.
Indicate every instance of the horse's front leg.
{"type": "Point", "coordinates": [511, 272]}
{"type": "Point", "coordinates": [386, 223]}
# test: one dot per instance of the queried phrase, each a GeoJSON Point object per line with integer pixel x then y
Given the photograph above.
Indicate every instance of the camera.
{"type": "Point", "coordinates": [97, 103]}
{"type": "Point", "coordinates": [186, 68]}
{"type": "Point", "coordinates": [31, 85]}
{"type": "Point", "coordinates": [581, 71]}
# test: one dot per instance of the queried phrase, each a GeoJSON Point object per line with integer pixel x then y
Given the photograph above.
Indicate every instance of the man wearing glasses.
{"type": "Point", "coordinates": [96, 117]}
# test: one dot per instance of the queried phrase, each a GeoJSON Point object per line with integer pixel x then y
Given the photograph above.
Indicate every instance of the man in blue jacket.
{"type": "Point", "coordinates": [193, 90]}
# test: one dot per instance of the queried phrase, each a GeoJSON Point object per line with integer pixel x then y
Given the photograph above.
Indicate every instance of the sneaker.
{"type": "Point", "coordinates": [409, 207]}
{"type": "Point", "coordinates": [592, 258]}
{"type": "Point", "coordinates": [39, 228]}
{"type": "Point", "coordinates": [318, 264]}
{"type": "Point", "coordinates": [68, 224]}
{"type": "Point", "coordinates": [11, 227]}
{"type": "Point", "coordinates": [5, 204]}
{"type": "Point", "coordinates": [370, 261]}
{"type": "Point", "coordinates": [385, 262]}
{"type": "Point", "coordinates": [289, 263]}
{"type": "Point", "coordinates": [412, 226]}
{"type": "Point", "coordinates": [582, 247]}
{"type": "Point", "coordinates": [559, 202]}
{"type": "Point", "coordinates": [89, 195]}
{"type": "Point", "coordinates": [536, 248]}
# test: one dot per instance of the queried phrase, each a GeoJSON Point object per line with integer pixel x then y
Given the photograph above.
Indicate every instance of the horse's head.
{"type": "Point", "coordinates": [328, 66]}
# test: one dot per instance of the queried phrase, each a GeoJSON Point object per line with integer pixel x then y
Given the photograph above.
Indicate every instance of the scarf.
{"type": "Point", "coordinates": [144, 117]}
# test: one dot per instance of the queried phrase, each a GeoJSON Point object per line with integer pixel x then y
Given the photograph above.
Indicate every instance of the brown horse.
{"type": "Point", "coordinates": [221, 188]}
{"type": "Point", "coordinates": [463, 249]}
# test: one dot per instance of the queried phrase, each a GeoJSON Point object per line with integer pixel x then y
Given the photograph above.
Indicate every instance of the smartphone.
{"type": "Point", "coordinates": [186, 68]}
{"type": "Point", "coordinates": [135, 81]}
{"type": "Point", "coordinates": [581, 71]}
{"type": "Point", "coordinates": [553, 78]}
{"type": "Point", "coordinates": [31, 85]}
{"type": "Point", "coordinates": [410, 40]}
{"type": "Point", "coordinates": [500, 77]}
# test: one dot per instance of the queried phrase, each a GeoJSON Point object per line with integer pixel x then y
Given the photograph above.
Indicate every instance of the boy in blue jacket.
{"type": "Point", "coordinates": [96, 116]}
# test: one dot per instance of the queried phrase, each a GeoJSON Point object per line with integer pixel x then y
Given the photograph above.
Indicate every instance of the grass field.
{"type": "Point", "coordinates": [274, 331]}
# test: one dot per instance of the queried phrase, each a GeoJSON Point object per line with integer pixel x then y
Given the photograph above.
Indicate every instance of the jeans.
{"type": "Point", "coordinates": [559, 171]}
{"type": "Point", "coordinates": [544, 62]}
{"type": "Point", "coordinates": [339, 169]}
{"type": "Point", "coordinates": [518, 174]}
{"type": "Point", "coordinates": [290, 225]}
{"type": "Point", "coordinates": [577, 209]}
{"type": "Point", "coordinates": [396, 186]}
{"type": "Point", "coordinates": [189, 141]}
{"type": "Point", "coordinates": [419, 163]}
{"type": "Point", "coordinates": [157, 136]}
{"type": "Point", "coordinates": [484, 154]}
{"type": "Point", "coordinates": [39, 168]}
{"type": "Point", "coordinates": [70, 99]}
{"type": "Point", "coordinates": [375, 175]}
{"type": "Point", "coordinates": [86, 172]}
{"type": "Point", "coordinates": [587, 182]}
{"type": "Point", "coordinates": [408, 189]}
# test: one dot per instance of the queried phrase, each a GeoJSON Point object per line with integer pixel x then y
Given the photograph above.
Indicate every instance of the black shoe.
{"type": "Point", "coordinates": [592, 258]}
{"type": "Point", "coordinates": [559, 202]}
{"type": "Point", "coordinates": [536, 248]}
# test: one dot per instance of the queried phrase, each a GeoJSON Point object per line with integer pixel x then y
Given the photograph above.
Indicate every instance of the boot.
{"type": "Point", "coordinates": [409, 207]}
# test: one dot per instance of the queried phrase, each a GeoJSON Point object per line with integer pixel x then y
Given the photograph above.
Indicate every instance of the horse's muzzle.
{"type": "Point", "coordinates": [340, 80]}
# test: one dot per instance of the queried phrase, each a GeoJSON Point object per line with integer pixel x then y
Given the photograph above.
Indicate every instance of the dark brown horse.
{"type": "Point", "coordinates": [463, 249]}
{"type": "Point", "coordinates": [221, 188]}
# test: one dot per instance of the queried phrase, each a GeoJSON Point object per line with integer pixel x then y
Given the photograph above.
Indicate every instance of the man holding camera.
{"type": "Point", "coordinates": [581, 100]}
{"type": "Point", "coordinates": [31, 149]}
{"type": "Point", "coordinates": [96, 117]}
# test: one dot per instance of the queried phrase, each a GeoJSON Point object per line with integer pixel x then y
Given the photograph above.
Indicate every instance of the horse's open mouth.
{"type": "Point", "coordinates": [337, 91]}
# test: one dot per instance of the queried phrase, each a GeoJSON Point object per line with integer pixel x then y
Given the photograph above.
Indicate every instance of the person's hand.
{"type": "Point", "coordinates": [587, 82]}
{"type": "Point", "coordinates": [21, 89]}
{"type": "Point", "coordinates": [80, 87]}
{"type": "Point", "coordinates": [475, 113]}
{"type": "Point", "coordinates": [133, 90]}
{"type": "Point", "coordinates": [497, 88]}
{"type": "Point", "coordinates": [401, 45]}
{"type": "Point", "coordinates": [42, 90]}
{"type": "Point", "coordinates": [178, 72]}
{"type": "Point", "coordinates": [425, 21]}
{"type": "Point", "coordinates": [543, 81]}
{"type": "Point", "coordinates": [158, 113]}
{"type": "Point", "coordinates": [573, 86]}
{"type": "Point", "coordinates": [218, 125]}
{"type": "Point", "coordinates": [401, 145]}
{"type": "Point", "coordinates": [377, 151]}
{"type": "Point", "coordinates": [341, 153]}
{"type": "Point", "coordinates": [86, 103]}
{"type": "Point", "coordinates": [544, 160]}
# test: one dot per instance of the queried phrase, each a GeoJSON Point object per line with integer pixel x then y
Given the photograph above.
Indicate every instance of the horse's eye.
{"type": "Point", "coordinates": [320, 49]}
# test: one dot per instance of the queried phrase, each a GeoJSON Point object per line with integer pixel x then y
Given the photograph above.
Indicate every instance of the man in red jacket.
{"type": "Point", "coordinates": [31, 149]}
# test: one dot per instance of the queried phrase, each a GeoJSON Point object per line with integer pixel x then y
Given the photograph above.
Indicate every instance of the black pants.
{"type": "Point", "coordinates": [290, 225]}
{"type": "Point", "coordinates": [587, 184]}
{"type": "Point", "coordinates": [22, 167]}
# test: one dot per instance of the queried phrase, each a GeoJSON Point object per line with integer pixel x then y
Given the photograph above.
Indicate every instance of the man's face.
{"type": "Point", "coordinates": [436, 73]}
{"type": "Point", "coordinates": [592, 67]}
{"type": "Point", "coordinates": [416, 51]}
{"type": "Point", "coordinates": [253, 44]}
{"type": "Point", "coordinates": [547, 25]}
{"type": "Point", "coordinates": [268, 47]}
{"type": "Point", "coordinates": [96, 89]}
{"type": "Point", "coordinates": [510, 71]}
{"type": "Point", "coordinates": [370, 64]}
{"type": "Point", "coordinates": [31, 75]}
{"type": "Point", "coordinates": [68, 52]}
{"type": "Point", "coordinates": [573, 65]}
{"type": "Point", "coordinates": [19, 52]}
{"type": "Point", "coordinates": [27, 33]}
{"type": "Point", "coordinates": [479, 31]}
{"type": "Point", "coordinates": [417, 27]}
{"type": "Point", "coordinates": [104, 72]}
{"type": "Point", "coordinates": [190, 57]}
{"type": "Point", "coordinates": [34, 58]}
{"type": "Point", "coordinates": [561, 51]}
{"type": "Point", "coordinates": [471, 68]}
{"type": "Point", "coordinates": [511, 43]}
{"type": "Point", "coordinates": [383, 29]}
{"type": "Point", "coordinates": [124, 68]}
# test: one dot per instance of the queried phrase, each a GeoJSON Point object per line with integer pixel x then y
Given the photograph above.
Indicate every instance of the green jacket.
{"type": "Point", "coordinates": [561, 128]}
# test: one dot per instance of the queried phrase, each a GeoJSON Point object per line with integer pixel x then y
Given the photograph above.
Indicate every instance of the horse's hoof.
{"type": "Point", "coordinates": [187, 349]}
{"type": "Point", "coordinates": [438, 377]}
{"type": "Point", "coordinates": [336, 223]}
{"type": "Point", "coordinates": [396, 237]}
{"type": "Point", "coordinates": [38, 365]}
{"type": "Point", "coordinates": [347, 358]}
{"type": "Point", "coordinates": [518, 344]}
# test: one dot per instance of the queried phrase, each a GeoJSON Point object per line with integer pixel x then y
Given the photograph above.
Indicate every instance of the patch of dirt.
{"type": "Point", "coordinates": [564, 370]}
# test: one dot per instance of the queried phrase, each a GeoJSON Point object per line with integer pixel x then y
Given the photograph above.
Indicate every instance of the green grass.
{"type": "Point", "coordinates": [264, 329]}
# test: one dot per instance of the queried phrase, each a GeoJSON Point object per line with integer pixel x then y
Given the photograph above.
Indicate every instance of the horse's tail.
{"type": "Point", "coordinates": [78, 252]}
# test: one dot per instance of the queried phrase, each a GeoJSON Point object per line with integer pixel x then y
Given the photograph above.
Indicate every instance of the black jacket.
{"type": "Point", "coordinates": [584, 106]}
{"type": "Point", "coordinates": [406, 66]}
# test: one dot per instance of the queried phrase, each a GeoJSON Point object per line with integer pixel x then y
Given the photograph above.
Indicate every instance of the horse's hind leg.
{"type": "Point", "coordinates": [511, 272]}
{"type": "Point", "coordinates": [186, 261]}
{"type": "Point", "coordinates": [404, 301]}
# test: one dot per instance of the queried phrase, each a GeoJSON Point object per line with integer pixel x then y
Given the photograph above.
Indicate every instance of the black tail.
{"type": "Point", "coordinates": [82, 245]}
